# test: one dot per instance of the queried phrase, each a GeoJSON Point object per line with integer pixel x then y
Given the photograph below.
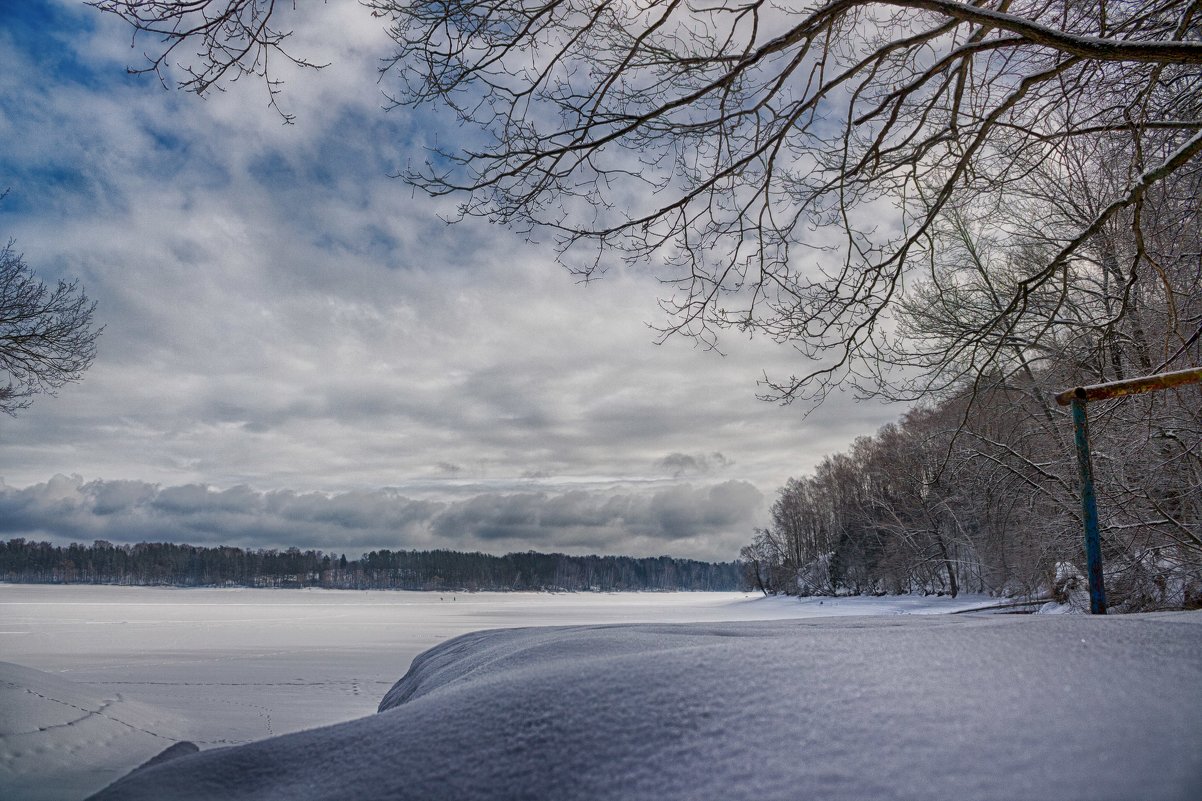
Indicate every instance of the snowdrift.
{"type": "Point", "coordinates": [967, 707]}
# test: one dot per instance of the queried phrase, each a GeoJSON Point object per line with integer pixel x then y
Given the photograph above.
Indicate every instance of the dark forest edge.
{"type": "Point", "coordinates": [979, 493]}
{"type": "Point", "coordinates": [169, 564]}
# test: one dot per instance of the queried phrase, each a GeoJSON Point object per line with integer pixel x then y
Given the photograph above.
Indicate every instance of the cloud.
{"type": "Point", "coordinates": [680, 464]}
{"type": "Point", "coordinates": [700, 521]}
{"type": "Point", "coordinates": [282, 315]}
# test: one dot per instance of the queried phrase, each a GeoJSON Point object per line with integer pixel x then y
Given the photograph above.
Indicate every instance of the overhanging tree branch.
{"type": "Point", "coordinates": [784, 170]}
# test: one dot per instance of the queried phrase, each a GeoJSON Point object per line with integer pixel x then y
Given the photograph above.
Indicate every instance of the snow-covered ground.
{"type": "Point", "coordinates": [126, 672]}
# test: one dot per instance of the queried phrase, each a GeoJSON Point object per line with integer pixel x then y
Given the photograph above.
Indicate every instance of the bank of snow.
{"type": "Point", "coordinates": [230, 666]}
{"type": "Point", "coordinates": [898, 707]}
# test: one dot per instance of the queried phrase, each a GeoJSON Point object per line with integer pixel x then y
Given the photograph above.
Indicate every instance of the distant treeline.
{"type": "Point", "coordinates": [162, 563]}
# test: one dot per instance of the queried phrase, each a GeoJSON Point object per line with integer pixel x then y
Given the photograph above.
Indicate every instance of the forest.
{"type": "Point", "coordinates": [979, 492]}
{"type": "Point", "coordinates": [161, 563]}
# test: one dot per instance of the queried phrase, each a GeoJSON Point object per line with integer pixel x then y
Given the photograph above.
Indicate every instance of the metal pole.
{"type": "Point", "coordinates": [1078, 397]}
{"type": "Point", "coordinates": [1132, 386]}
{"type": "Point", "coordinates": [1089, 509]}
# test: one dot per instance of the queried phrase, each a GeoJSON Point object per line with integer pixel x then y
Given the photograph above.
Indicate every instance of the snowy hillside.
{"type": "Point", "coordinates": [898, 707]}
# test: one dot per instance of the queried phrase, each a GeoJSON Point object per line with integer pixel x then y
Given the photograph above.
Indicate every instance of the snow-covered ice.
{"type": "Point", "coordinates": [60, 739]}
{"type": "Point", "coordinates": [890, 706]}
{"type": "Point", "coordinates": [245, 664]}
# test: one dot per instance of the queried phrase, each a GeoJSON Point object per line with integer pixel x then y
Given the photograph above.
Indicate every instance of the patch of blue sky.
{"type": "Point", "coordinates": [39, 59]}
{"type": "Point", "coordinates": [32, 187]}
{"type": "Point", "coordinates": [175, 154]}
{"type": "Point", "coordinates": [166, 139]}
{"type": "Point", "coordinates": [349, 148]}
{"type": "Point", "coordinates": [11, 204]}
{"type": "Point", "coordinates": [370, 241]}
{"type": "Point", "coordinates": [272, 168]}
{"type": "Point", "coordinates": [46, 35]}
{"type": "Point", "coordinates": [381, 244]}
{"type": "Point", "coordinates": [68, 172]}
{"type": "Point", "coordinates": [364, 140]}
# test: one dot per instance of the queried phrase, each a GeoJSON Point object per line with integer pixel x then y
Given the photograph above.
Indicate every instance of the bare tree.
{"type": "Point", "coordinates": [782, 167]}
{"type": "Point", "coordinates": [47, 338]}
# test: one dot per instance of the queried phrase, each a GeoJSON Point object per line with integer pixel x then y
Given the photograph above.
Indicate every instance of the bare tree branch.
{"type": "Point", "coordinates": [46, 335]}
{"type": "Point", "coordinates": [784, 170]}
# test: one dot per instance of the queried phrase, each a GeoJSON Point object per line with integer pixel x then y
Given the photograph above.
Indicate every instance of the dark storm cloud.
{"type": "Point", "coordinates": [649, 522]}
{"type": "Point", "coordinates": [664, 515]}
{"type": "Point", "coordinates": [69, 509]}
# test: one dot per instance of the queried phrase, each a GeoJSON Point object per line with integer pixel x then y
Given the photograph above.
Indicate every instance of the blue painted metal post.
{"type": "Point", "coordinates": [1089, 509]}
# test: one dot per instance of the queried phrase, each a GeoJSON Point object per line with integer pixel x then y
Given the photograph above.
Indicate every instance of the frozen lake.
{"type": "Point", "coordinates": [243, 664]}
{"type": "Point", "coordinates": [227, 666]}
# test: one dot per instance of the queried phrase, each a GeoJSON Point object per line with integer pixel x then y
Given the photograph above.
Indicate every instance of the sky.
{"type": "Point", "coordinates": [298, 349]}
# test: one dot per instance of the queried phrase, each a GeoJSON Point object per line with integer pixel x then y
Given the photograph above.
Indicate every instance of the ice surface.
{"type": "Point", "coordinates": [244, 664]}
{"type": "Point", "coordinates": [888, 707]}
{"type": "Point", "coordinates": [59, 739]}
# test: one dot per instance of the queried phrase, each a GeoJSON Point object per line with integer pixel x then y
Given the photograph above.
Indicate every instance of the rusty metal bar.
{"type": "Point", "coordinates": [1132, 386]}
{"type": "Point", "coordinates": [1089, 511]}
